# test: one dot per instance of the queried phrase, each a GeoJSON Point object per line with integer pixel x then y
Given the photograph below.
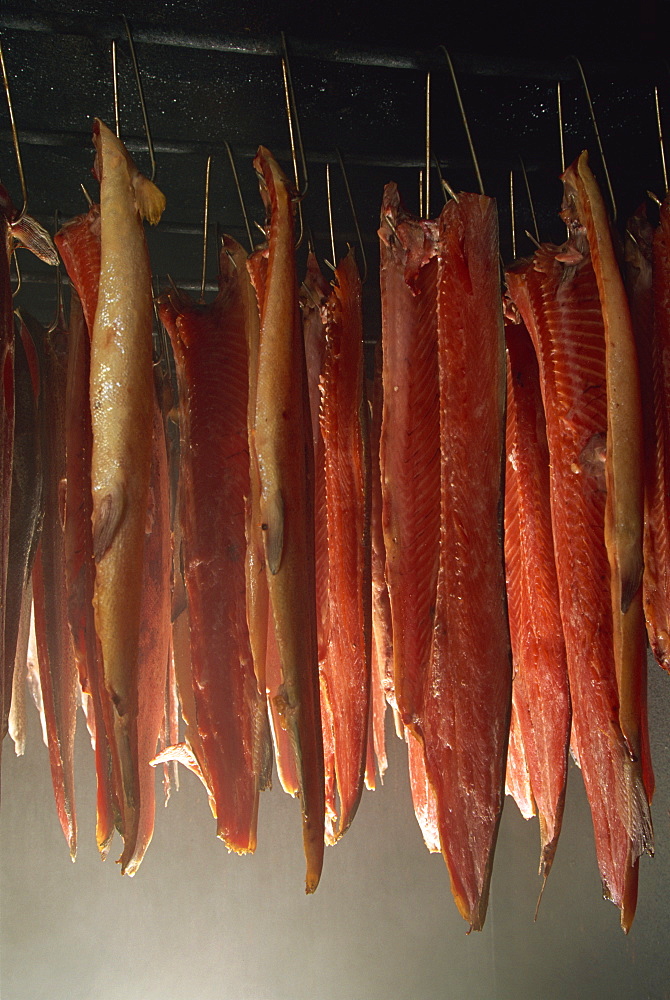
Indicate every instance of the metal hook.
{"type": "Point", "coordinates": [140, 91]}
{"type": "Point", "coordinates": [364, 260]}
{"type": "Point", "coordinates": [660, 139]}
{"type": "Point", "coordinates": [17, 148]}
{"type": "Point", "coordinates": [511, 211]}
{"type": "Point", "coordinates": [439, 174]}
{"type": "Point", "coordinates": [87, 196]}
{"type": "Point", "coordinates": [446, 186]}
{"type": "Point", "coordinates": [464, 118]}
{"type": "Point", "coordinates": [59, 285]}
{"type": "Point", "coordinates": [204, 229]}
{"type": "Point", "coordinates": [18, 272]}
{"type": "Point", "coordinates": [530, 201]}
{"type": "Point", "coordinates": [293, 122]}
{"type": "Point", "coordinates": [597, 134]}
{"type": "Point", "coordinates": [239, 194]}
{"type": "Point", "coordinates": [330, 214]}
{"type": "Point", "coordinates": [426, 214]}
{"type": "Point", "coordinates": [115, 83]}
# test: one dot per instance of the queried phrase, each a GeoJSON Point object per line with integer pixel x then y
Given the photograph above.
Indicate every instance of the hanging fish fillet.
{"type": "Point", "coordinates": [155, 635]}
{"type": "Point", "coordinates": [624, 465]}
{"type": "Point", "coordinates": [26, 497]}
{"type": "Point", "coordinates": [648, 279]}
{"type": "Point", "coordinates": [283, 444]}
{"type": "Point", "coordinates": [57, 668]}
{"type": "Point", "coordinates": [346, 668]}
{"type": "Point", "coordinates": [121, 393]}
{"type": "Point", "coordinates": [211, 355]}
{"type": "Point", "coordinates": [540, 727]}
{"type": "Point", "coordinates": [410, 442]}
{"type": "Point", "coordinates": [464, 721]}
{"type": "Point", "coordinates": [78, 243]}
{"type": "Point", "coordinates": [557, 297]}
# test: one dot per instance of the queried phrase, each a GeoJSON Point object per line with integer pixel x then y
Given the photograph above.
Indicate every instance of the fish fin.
{"type": "Point", "coordinates": [273, 531]}
{"type": "Point", "coordinates": [35, 238]}
{"type": "Point", "coordinates": [149, 200]}
{"type": "Point", "coordinates": [107, 516]}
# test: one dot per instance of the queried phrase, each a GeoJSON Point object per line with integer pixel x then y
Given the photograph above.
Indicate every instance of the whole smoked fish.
{"type": "Point", "coordinates": [557, 296]}
{"type": "Point", "coordinates": [464, 721]}
{"type": "Point", "coordinates": [211, 356]}
{"type": "Point", "coordinates": [284, 451]}
{"type": "Point", "coordinates": [540, 729]}
{"type": "Point", "coordinates": [121, 395]}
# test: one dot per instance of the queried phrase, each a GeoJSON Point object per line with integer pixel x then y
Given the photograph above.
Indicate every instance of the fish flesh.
{"type": "Point", "coordinates": [464, 720]}
{"type": "Point", "coordinates": [57, 668]}
{"type": "Point", "coordinates": [648, 281]}
{"type": "Point", "coordinates": [345, 671]}
{"type": "Point", "coordinates": [409, 446]}
{"type": "Point", "coordinates": [540, 726]}
{"type": "Point", "coordinates": [284, 452]}
{"type": "Point", "coordinates": [211, 355]}
{"type": "Point", "coordinates": [121, 393]}
{"type": "Point", "coordinates": [557, 296]}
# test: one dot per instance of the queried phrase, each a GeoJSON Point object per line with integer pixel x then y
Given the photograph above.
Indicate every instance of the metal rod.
{"type": "Point", "coordinates": [364, 260]}
{"type": "Point", "coordinates": [15, 141]}
{"type": "Point", "coordinates": [140, 91]}
{"type": "Point", "coordinates": [660, 139]}
{"type": "Point", "coordinates": [115, 81]}
{"type": "Point", "coordinates": [293, 122]}
{"type": "Point", "coordinates": [205, 229]}
{"type": "Point", "coordinates": [530, 200]}
{"type": "Point", "coordinates": [427, 196]}
{"type": "Point", "coordinates": [464, 118]}
{"type": "Point", "coordinates": [560, 125]}
{"type": "Point", "coordinates": [597, 134]}
{"type": "Point", "coordinates": [421, 205]}
{"type": "Point", "coordinates": [231, 160]}
{"type": "Point", "coordinates": [87, 196]}
{"type": "Point", "coordinates": [511, 212]}
{"type": "Point", "coordinates": [330, 215]}
{"type": "Point", "coordinates": [436, 161]}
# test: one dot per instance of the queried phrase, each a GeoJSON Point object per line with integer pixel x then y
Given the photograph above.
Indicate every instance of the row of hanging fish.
{"type": "Point", "coordinates": [266, 552]}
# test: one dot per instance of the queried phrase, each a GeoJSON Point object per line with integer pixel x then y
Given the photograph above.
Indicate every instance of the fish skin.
{"type": "Point", "coordinates": [557, 296]}
{"type": "Point", "coordinates": [467, 688]}
{"type": "Point", "coordinates": [540, 726]}
{"type": "Point", "coordinates": [409, 442]}
{"type": "Point", "coordinates": [121, 392]}
{"type": "Point", "coordinates": [57, 668]}
{"type": "Point", "coordinates": [283, 444]}
{"type": "Point", "coordinates": [211, 355]}
{"type": "Point", "coordinates": [345, 672]}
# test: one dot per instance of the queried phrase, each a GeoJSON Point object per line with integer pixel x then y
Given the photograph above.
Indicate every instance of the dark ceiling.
{"type": "Point", "coordinates": [211, 74]}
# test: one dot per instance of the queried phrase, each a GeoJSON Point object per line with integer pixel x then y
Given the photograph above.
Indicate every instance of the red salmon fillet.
{"type": "Point", "coordinates": [540, 728]}
{"type": "Point", "coordinates": [345, 672]}
{"type": "Point", "coordinates": [557, 296]}
{"type": "Point", "coordinates": [464, 723]}
{"type": "Point", "coordinates": [211, 355]}
{"type": "Point", "coordinates": [57, 668]}
{"type": "Point", "coordinates": [410, 442]}
{"type": "Point", "coordinates": [648, 259]}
